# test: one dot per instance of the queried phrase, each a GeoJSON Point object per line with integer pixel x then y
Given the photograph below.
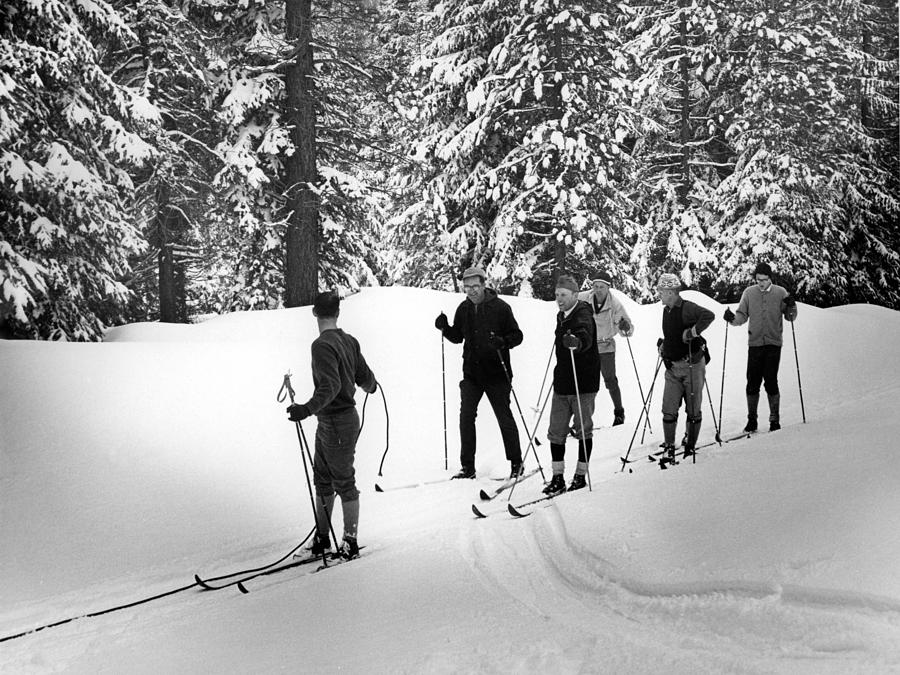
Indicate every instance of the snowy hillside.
{"type": "Point", "coordinates": [128, 466]}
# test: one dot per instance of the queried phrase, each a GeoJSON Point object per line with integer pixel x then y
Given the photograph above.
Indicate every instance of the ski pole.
{"type": "Point", "coordinates": [722, 386]}
{"type": "Point", "coordinates": [644, 411]}
{"type": "Point", "coordinates": [713, 411]}
{"type": "Point", "coordinates": [304, 446]}
{"type": "Point", "coordinates": [287, 389]}
{"type": "Point", "coordinates": [387, 430]}
{"type": "Point", "coordinates": [546, 372]}
{"type": "Point", "coordinates": [587, 459]}
{"type": "Point", "coordinates": [534, 431]}
{"type": "Point", "coordinates": [515, 398]}
{"type": "Point", "coordinates": [797, 362]}
{"type": "Point", "coordinates": [636, 376]}
{"type": "Point", "coordinates": [444, 397]}
{"type": "Point", "coordinates": [690, 419]}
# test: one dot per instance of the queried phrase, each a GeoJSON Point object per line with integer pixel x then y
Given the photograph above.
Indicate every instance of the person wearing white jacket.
{"type": "Point", "coordinates": [611, 320]}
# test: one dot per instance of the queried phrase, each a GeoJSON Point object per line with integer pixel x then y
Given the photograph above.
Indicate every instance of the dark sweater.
{"type": "Point", "coordinates": [685, 314]}
{"type": "Point", "coordinates": [579, 322]}
{"type": "Point", "coordinates": [473, 325]}
{"type": "Point", "coordinates": [337, 367]}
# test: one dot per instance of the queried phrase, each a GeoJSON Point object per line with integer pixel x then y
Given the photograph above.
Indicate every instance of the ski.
{"type": "Point", "coordinates": [209, 583]}
{"type": "Point", "coordinates": [206, 585]}
{"type": "Point", "coordinates": [336, 562]}
{"type": "Point", "coordinates": [509, 482]}
{"type": "Point", "coordinates": [516, 513]}
{"type": "Point", "coordinates": [408, 486]}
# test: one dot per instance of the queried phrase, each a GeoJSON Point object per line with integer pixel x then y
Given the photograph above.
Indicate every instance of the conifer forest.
{"type": "Point", "coordinates": [162, 160]}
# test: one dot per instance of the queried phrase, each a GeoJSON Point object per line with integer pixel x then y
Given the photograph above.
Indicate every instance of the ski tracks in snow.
{"type": "Point", "coordinates": [735, 625]}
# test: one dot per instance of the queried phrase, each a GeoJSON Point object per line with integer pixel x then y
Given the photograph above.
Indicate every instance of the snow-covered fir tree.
{"type": "Point", "coordinates": [70, 140]}
{"type": "Point", "coordinates": [524, 109]}
{"type": "Point", "coordinates": [809, 191]}
{"type": "Point", "coordinates": [251, 224]}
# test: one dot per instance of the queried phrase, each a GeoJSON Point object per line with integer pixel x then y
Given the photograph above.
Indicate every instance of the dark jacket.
{"type": "Point", "coordinates": [473, 325]}
{"type": "Point", "coordinates": [337, 367]}
{"type": "Point", "coordinates": [685, 314]}
{"type": "Point", "coordinates": [580, 323]}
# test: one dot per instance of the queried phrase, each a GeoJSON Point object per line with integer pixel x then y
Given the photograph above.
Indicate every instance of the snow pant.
{"type": "Point", "coordinates": [471, 391]}
{"type": "Point", "coordinates": [608, 370]}
{"type": "Point", "coordinates": [683, 382]}
{"type": "Point", "coordinates": [333, 470]}
{"type": "Point", "coordinates": [762, 366]}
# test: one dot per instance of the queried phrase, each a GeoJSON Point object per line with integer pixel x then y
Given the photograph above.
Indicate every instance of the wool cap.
{"type": "Point", "coordinates": [474, 272]}
{"type": "Point", "coordinates": [669, 281]}
{"type": "Point", "coordinates": [763, 268]}
{"type": "Point", "coordinates": [602, 275]}
{"type": "Point", "coordinates": [566, 281]}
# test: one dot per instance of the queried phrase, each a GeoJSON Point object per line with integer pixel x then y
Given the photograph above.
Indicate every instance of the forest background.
{"type": "Point", "coordinates": [163, 160]}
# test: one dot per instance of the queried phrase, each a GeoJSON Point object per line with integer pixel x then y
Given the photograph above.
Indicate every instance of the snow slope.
{"type": "Point", "coordinates": [128, 466]}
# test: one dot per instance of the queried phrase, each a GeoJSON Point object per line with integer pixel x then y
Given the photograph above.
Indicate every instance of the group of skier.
{"type": "Point", "coordinates": [587, 324]}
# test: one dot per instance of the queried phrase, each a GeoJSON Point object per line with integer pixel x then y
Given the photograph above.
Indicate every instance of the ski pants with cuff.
{"type": "Point", "coordinates": [333, 470]}
{"type": "Point", "coordinates": [563, 408]}
{"type": "Point", "coordinates": [683, 382]}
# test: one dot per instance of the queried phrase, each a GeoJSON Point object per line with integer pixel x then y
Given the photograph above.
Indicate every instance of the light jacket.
{"type": "Point", "coordinates": [607, 320]}
{"type": "Point", "coordinates": [764, 310]}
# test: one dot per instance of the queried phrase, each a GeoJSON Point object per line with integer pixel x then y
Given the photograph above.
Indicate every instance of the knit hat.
{"type": "Point", "coordinates": [566, 281]}
{"type": "Point", "coordinates": [474, 272]}
{"type": "Point", "coordinates": [603, 276]}
{"type": "Point", "coordinates": [763, 268]}
{"type": "Point", "coordinates": [669, 281]}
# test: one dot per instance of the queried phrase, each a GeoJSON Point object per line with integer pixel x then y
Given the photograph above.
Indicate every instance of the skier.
{"type": "Point", "coordinates": [337, 367]}
{"type": "Point", "coordinates": [611, 318]}
{"type": "Point", "coordinates": [763, 304]}
{"type": "Point", "coordinates": [576, 340]}
{"type": "Point", "coordinates": [682, 351]}
{"type": "Point", "coordinates": [488, 329]}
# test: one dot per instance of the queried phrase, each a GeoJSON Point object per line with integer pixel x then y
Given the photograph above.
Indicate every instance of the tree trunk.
{"type": "Point", "coordinates": [685, 137]}
{"type": "Point", "coordinates": [302, 242]}
{"type": "Point", "coordinates": [168, 225]}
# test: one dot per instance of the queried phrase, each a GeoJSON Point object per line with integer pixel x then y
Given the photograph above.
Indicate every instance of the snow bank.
{"type": "Point", "coordinates": [130, 465]}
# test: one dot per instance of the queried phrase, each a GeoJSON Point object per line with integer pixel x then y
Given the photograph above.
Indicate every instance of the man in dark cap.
{"type": "Point", "coordinates": [486, 326]}
{"type": "Point", "coordinates": [338, 367]}
{"type": "Point", "coordinates": [763, 304]}
{"type": "Point", "coordinates": [611, 319]}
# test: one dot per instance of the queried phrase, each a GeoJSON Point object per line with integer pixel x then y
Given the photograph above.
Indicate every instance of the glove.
{"type": "Point", "coordinates": [687, 335]}
{"type": "Point", "coordinates": [441, 322]}
{"type": "Point", "coordinates": [374, 388]}
{"type": "Point", "coordinates": [789, 302]}
{"type": "Point", "coordinates": [297, 412]}
{"type": "Point", "coordinates": [570, 341]}
{"type": "Point", "coordinates": [659, 347]}
{"type": "Point", "coordinates": [624, 326]}
{"type": "Point", "coordinates": [729, 315]}
{"type": "Point", "coordinates": [496, 341]}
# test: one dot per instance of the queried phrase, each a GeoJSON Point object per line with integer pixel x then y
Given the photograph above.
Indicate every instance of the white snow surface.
{"type": "Point", "coordinates": [130, 465]}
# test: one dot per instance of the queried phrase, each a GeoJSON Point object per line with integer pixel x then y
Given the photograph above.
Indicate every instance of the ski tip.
{"type": "Point", "coordinates": [485, 497]}
{"type": "Point", "coordinates": [198, 580]}
{"type": "Point", "coordinates": [242, 588]}
{"type": "Point", "coordinates": [478, 514]}
{"type": "Point", "coordinates": [515, 513]}
{"type": "Point", "coordinates": [378, 488]}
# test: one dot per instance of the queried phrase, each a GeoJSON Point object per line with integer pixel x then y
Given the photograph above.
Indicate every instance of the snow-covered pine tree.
{"type": "Point", "coordinates": [523, 108]}
{"type": "Point", "coordinates": [69, 138]}
{"type": "Point", "coordinates": [802, 172]}
{"type": "Point", "coordinates": [169, 66]}
{"type": "Point", "coordinates": [681, 90]}
{"type": "Point", "coordinates": [251, 65]}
